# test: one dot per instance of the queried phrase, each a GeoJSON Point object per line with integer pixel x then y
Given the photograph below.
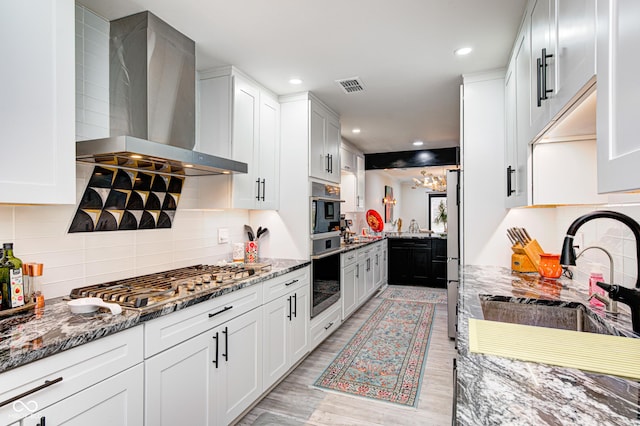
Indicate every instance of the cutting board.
{"type": "Point", "coordinates": [597, 353]}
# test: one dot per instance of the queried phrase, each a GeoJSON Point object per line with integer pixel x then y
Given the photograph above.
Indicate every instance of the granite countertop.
{"type": "Point", "coordinates": [500, 391]}
{"type": "Point", "coordinates": [421, 235]}
{"type": "Point", "coordinates": [356, 245]}
{"type": "Point", "coordinates": [39, 333]}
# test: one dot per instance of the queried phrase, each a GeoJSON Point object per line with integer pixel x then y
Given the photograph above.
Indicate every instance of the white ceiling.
{"type": "Point", "coordinates": [401, 50]}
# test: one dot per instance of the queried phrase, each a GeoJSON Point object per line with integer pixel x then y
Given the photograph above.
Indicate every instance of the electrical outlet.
{"type": "Point", "coordinates": [223, 235]}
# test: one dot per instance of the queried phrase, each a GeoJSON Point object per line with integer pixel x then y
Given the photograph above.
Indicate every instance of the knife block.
{"type": "Point", "coordinates": [526, 258]}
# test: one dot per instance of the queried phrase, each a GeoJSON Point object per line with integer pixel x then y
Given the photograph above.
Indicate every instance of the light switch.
{"type": "Point", "coordinates": [223, 235]}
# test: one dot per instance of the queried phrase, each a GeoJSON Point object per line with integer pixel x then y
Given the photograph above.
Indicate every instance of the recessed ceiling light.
{"type": "Point", "coordinates": [188, 165]}
{"type": "Point", "coordinates": [356, 130]}
{"type": "Point", "coordinates": [463, 51]}
{"type": "Point", "coordinates": [295, 81]}
{"type": "Point", "coordinates": [418, 143]}
{"type": "Point", "coordinates": [136, 156]}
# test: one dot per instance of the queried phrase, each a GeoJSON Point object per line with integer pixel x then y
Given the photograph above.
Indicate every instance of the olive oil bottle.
{"type": "Point", "coordinates": [11, 279]}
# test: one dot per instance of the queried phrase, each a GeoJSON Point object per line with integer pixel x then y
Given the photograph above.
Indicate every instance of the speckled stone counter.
{"type": "Point", "coordinates": [421, 235]}
{"type": "Point", "coordinates": [355, 246]}
{"type": "Point", "coordinates": [37, 334]}
{"type": "Point", "coordinates": [500, 391]}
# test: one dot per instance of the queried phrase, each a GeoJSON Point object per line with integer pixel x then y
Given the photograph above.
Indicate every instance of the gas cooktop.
{"type": "Point", "coordinates": [153, 290]}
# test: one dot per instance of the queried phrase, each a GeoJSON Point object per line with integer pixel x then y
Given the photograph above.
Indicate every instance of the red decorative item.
{"type": "Point", "coordinates": [549, 266]}
{"type": "Point", "coordinates": [374, 220]}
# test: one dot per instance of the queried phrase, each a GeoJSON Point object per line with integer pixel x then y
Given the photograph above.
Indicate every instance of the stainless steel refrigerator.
{"type": "Point", "coordinates": [453, 247]}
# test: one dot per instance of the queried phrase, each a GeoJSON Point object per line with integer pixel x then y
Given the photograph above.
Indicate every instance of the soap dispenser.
{"type": "Point", "coordinates": [594, 277]}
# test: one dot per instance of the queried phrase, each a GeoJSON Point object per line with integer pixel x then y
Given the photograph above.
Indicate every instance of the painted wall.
{"type": "Point", "coordinates": [374, 193]}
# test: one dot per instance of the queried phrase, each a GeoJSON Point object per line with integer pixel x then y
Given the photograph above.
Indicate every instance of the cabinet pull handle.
{"type": "Point", "coordinates": [263, 188]}
{"type": "Point", "coordinates": [544, 90]}
{"type": "Point", "coordinates": [295, 305]}
{"type": "Point", "coordinates": [225, 309]}
{"type": "Point", "coordinates": [328, 326]}
{"type": "Point", "coordinates": [289, 315]}
{"type": "Point", "coordinates": [330, 163]}
{"type": "Point", "coordinates": [377, 260]}
{"type": "Point", "coordinates": [258, 183]}
{"type": "Point", "coordinates": [539, 82]}
{"type": "Point", "coordinates": [327, 168]}
{"type": "Point", "coordinates": [358, 271]}
{"type": "Point", "coordinates": [291, 282]}
{"type": "Point", "coordinates": [215, 360]}
{"type": "Point", "coordinates": [46, 384]}
{"type": "Point", "coordinates": [43, 421]}
{"type": "Point", "coordinates": [510, 189]}
{"type": "Point", "coordinates": [226, 343]}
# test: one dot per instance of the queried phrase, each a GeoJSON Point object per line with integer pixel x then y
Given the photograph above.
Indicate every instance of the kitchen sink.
{"type": "Point", "coordinates": [543, 313]}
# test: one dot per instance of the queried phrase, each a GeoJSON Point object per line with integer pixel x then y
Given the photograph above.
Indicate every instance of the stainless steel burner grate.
{"type": "Point", "coordinates": [169, 286]}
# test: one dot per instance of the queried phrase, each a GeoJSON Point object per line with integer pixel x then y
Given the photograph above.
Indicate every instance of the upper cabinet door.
{"type": "Point", "coordinates": [245, 139]}
{"type": "Point", "coordinates": [269, 153]}
{"type": "Point", "coordinates": [318, 159]}
{"type": "Point", "coordinates": [542, 63]}
{"type": "Point", "coordinates": [618, 95]}
{"type": "Point", "coordinates": [37, 105]}
{"type": "Point", "coordinates": [576, 48]}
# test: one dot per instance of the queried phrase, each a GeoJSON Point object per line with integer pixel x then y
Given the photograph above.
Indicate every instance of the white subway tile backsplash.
{"type": "Point", "coordinates": [62, 288]}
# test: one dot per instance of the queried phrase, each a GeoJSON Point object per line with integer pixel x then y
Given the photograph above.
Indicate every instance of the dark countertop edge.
{"type": "Point", "coordinates": [131, 318]}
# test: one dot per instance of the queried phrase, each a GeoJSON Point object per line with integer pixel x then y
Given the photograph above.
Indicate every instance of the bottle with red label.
{"type": "Point", "coordinates": [11, 279]}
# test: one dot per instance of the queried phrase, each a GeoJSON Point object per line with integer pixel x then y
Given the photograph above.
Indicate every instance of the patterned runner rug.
{"type": "Point", "coordinates": [420, 294]}
{"type": "Point", "coordinates": [385, 358]}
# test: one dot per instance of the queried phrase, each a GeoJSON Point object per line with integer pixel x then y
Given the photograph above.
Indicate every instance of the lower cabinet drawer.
{"type": "Point", "coordinates": [64, 374]}
{"type": "Point", "coordinates": [325, 324]}
{"type": "Point", "coordinates": [167, 331]}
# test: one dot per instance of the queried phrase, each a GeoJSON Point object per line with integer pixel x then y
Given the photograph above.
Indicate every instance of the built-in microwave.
{"type": "Point", "coordinates": [325, 208]}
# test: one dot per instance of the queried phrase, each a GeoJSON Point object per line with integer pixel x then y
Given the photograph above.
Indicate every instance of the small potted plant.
{"type": "Point", "coordinates": [441, 215]}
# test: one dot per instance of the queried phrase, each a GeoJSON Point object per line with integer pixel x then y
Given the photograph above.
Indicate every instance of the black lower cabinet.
{"type": "Point", "coordinates": [418, 261]}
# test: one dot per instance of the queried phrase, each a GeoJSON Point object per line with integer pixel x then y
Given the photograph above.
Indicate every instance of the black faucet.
{"type": "Point", "coordinates": [628, 296]}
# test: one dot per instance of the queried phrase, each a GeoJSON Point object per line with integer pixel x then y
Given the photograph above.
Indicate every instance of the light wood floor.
{"type": "Point", "coordinates": [294, 402]}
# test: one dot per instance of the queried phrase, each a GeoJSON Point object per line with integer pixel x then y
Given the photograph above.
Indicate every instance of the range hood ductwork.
{"type": "Point", "coordinates": [152, 103]}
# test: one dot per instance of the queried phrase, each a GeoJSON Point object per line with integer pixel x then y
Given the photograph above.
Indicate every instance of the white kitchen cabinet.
{"type": "Point", "coordinates": [241, 119]}
{"type": "Point", "coordinates": [360, 183]}
{"type": "Point", "coordinates": [367, 253]}
{"type": "Point", "coordinates": [543, 62]}
{"type": "Point", "coordinates": [618, 95]}
{"type": "Point", "coordinates": [37, 106]}
{"type": "Point", "coordinates": [323, 325]}
{"type": "Point", "coordinates": [347, 160]}
{"type": "Point", "coordinates": [76, 372]}
{"type": "Point", "coordinates": [324, 143]}
{"type": "Point", "coordinates": [285, 325]}
{"type": "Point", "coordinates": [384, 263]}
{"type": "Point", "coordinates": [352, 186]}
{"type": "Point", "coordinates": [517, 127]}
{"type": "Point", "coordinates": [349, 282]}
{"type": "Point", "coordinates": [237, 382]}
{"type": "Point", "coordinates": [213, 377]}
{"type": "Point", "coordinates": [377, 266]}
{"type": "Point", "coordinates": [181, 377]}
{"type": "Point", "coordinates": [575, 50]}
{"type": "Point", "coordinates": [117, 400]}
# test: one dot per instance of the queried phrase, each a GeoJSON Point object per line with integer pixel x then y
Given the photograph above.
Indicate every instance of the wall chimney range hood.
{"type": "Point", "coordinates": [152, 103]}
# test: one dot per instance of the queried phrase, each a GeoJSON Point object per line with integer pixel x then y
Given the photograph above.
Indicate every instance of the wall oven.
{"type": "Point", "coordinates": [325, 281]}
{"type": "Point", "coordinates": [325, 246]}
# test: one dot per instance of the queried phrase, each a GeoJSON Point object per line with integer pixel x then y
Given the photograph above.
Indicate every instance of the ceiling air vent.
{"type": "Point", "coordinates": [351, 85]}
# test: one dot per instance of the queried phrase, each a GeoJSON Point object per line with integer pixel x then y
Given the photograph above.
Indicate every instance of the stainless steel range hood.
{"type": "Point", "coordinates": [152, 103]}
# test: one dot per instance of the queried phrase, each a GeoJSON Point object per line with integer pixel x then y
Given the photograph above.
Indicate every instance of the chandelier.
{"type": "Point", "coordinates": [431, 182]}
